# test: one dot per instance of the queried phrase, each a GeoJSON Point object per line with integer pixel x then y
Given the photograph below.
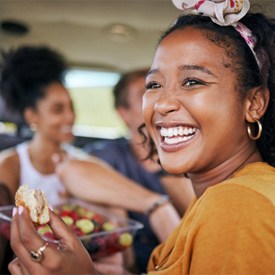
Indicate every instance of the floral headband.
{"type": "Point", "coordinates": [223, 13]}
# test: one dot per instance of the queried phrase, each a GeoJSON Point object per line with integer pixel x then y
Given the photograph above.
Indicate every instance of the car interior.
{"type": "Point", "coordinates": [100, 40]}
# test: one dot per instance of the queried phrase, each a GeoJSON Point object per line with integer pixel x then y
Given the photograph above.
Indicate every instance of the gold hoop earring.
{"type": "Point", "coordinates": [33, 126]}
{"type": "Point", "coordinates": [260, 130]}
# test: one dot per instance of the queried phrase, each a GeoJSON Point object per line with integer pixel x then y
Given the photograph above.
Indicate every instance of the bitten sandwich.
{"type": "Point", "coordinates": [36, 203]}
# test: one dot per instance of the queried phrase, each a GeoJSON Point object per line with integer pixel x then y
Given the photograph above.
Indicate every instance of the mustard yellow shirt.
{"type": "Point", "coordinates": [229, 230]}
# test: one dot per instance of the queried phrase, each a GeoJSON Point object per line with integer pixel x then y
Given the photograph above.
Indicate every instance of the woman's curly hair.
{"type": "Point", "coordinates": [25, 72]}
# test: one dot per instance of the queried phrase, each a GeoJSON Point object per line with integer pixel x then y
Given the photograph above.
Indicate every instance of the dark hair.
{"type": "Point", "coordinates": [244, 63]}
{"type": "Point", "coordinates": [26, 72]}
{"type": "Point", "coordinates": [120, 91]}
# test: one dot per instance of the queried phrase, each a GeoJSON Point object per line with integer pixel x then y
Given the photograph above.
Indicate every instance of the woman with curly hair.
{"type": "Point", "coordinates": [32, 84]}
{"type": "Point", "coordinates": [209, 112]}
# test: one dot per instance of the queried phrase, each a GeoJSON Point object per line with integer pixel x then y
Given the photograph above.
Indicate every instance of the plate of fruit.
{"type": "Point", "coordinates": [101, 232]}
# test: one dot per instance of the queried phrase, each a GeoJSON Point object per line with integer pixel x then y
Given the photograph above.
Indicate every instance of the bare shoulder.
{"type": "Point", "coordinates": [10, 169]}
{"type": "Point", "coordinates": [9, 156]}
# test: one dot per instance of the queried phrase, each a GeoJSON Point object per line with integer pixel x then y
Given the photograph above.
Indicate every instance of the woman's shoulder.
{"type": "Point", "coordinates": [232, 218]}
{"type": "Point", "coordinates": [232, 207]}
{"type": "Point", "coordinates": [9, 157]}
{"type": "Point", "coordinates": [10, 169]}
{"type": "Point", "coordinates": [257, 178]}
{"type": "Point", "coordinates": [239, 198]}
{"type": "Point", "coordinates": [250, 191]}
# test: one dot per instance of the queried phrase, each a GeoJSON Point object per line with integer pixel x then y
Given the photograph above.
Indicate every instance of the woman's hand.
{"type": "Point", "coordinates": [16, 268]}
{"type": "Point", "coordinates": [69, 257]}
{"type": "Point", "coordinates": [110, 265]}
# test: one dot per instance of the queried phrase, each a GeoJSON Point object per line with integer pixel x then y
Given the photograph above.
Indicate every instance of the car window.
{"type": "Point", "coordinates": [91, 92]}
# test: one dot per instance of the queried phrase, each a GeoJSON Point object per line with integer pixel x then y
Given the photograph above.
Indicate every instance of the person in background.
{"type": "Point", "coordinates": [32, 85]}
{"type": "Point", "coordinates": [128, 156]}
{"type": "Point", "coordinates": [213, 73]}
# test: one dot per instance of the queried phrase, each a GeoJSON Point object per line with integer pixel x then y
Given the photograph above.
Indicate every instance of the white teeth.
{"type": "Point", "coordinates": [170, 132]}
{"type": "Point", "coordinates": [190, 131]}
{"type": "Point", "coordinates": [177, 131]}
{"type": "Point", "coordinates": [66, 129]}
{"type": "Point", "coordinates": [176, 140]}
{"type": "Point", "coordinates": [186, 131]}
{"type": "Point", "coordinates": [175, 135]}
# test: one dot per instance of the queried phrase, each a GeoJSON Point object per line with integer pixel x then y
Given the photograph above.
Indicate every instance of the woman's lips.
{"type": "Point", "coordinates": [174, 137]}
{"type": "Point", "coordinates": [66, 129]}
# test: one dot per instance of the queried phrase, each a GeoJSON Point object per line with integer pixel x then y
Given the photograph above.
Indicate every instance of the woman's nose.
{"type": "Point", "coordinates": [166, 104]}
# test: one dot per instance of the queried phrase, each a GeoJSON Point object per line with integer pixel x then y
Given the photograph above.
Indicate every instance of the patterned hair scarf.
{"type": "Point", "coordinates": [223, 13]}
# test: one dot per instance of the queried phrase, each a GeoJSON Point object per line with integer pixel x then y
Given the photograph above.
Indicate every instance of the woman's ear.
{"type": "Point", "coordinates": [256, 103]}
{"type": "Point", "coordinates": [29, 116]}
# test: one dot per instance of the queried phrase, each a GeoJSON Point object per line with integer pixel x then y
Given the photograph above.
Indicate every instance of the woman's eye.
{"type": "Point", "coordinates": [57, 109]}
{"type": "Point", "coordinates": [152, 85]}
{"type": "Point", "coordinates": [192, 82]}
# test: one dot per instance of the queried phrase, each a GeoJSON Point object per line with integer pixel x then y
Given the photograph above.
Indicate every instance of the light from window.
{"type": "Point", "coordinates": [91, 92]}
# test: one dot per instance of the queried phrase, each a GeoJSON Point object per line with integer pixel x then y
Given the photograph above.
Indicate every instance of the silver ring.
{"type": "Point", "coordinates": [37, 255]}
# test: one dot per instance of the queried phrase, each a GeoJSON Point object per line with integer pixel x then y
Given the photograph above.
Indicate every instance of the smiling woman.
{"type": "Point", "coordinates": [197, 84]}
{"type": "Point", "coordinates": [32, 84]}
{"type": "Point", "coordinates": [209, 113]}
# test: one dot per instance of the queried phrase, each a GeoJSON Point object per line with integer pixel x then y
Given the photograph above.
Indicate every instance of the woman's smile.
{"type": "Point", "coordinates": [175, 137]}
{"type": "Point", "coordinates": [66, 129]}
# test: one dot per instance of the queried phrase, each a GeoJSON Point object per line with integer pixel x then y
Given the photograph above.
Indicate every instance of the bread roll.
{"type": "Point", "coordinates": [36, 203]}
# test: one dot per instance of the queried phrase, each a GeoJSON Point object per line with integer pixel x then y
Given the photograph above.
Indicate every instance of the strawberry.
{"type": "Point", "coordinates": [49, 235]}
